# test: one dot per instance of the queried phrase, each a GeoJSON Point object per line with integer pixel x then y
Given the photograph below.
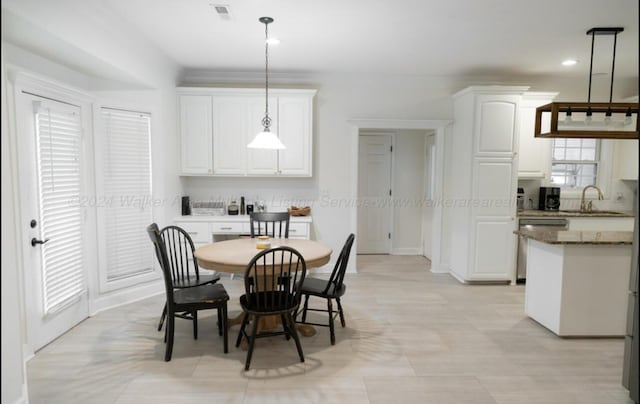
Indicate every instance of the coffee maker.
{"type": "Point", "coordinates": [549, 198]}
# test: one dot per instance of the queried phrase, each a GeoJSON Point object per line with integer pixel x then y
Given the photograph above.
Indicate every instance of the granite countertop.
{"type": "Point", "coordinates": [578, 237]}
{"type": "Point", "coordinates": [574, 213]}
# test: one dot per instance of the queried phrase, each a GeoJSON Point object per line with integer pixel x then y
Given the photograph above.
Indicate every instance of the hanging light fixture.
{"type": "Point", "coordinates": [266, 139]}
{"type": "Point", "coordinates": [625, 128]}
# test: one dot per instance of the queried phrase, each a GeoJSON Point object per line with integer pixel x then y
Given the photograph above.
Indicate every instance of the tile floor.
{"type": "Point", "coordinates": [411, 337]}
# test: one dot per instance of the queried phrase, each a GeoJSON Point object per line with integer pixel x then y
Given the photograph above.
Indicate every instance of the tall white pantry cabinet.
{"type": "Point", "coordinates": [483, 182]}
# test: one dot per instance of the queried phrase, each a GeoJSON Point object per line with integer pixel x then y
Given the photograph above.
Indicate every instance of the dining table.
{"type": "Point", "coordinates": [233, 256]}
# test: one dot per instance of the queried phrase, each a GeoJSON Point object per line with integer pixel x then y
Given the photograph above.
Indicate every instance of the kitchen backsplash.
{"type": "Point", "coordinates": [619, 197]}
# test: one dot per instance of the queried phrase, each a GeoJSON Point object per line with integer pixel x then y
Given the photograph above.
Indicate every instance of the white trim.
{"type": "Point", "coordinates": [437, 125]}
{"type": "Point", "coordinates": [122, 297]}
{"type": "Point", "coordinates": [441, 269]}
{"type": "Point", "coordinates": [406, 251]}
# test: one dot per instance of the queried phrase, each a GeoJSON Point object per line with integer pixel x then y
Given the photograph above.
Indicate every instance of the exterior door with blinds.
{"type": "Point", "coordinates": [124, 198]}
{"type": "Point", "coordinates": [50, 148]}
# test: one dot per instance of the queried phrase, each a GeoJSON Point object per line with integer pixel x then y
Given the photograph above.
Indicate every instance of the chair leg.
{"type": "Point", "coordinates": [169, 336]}
{"type": "Point", "coordinates": [245, 320]}
{"type": "Point", "coordinates": [287, 332]}
{"type": "Point", "coordinates": [304, 308]}
{"type": "Point", "coordinates": [162, 316]}
{"type": "Point", "coordinates": [331, 327]}
{"type": "Point", "coordinates": [341, 312]}
{"type": "Point", "coordinates": [223, 321]}
{"type": "Point", "coordinates": [252, 342]}
{"type": "Point", "coordinates": [294, 334]}
{"type": "Point", "coordinates": [220, 321]}
{"type": "Point", "coordinates": [195, 324]}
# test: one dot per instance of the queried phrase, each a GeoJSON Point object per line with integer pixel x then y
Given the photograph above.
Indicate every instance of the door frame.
{"type": "Point", "coordinates": [369, 132]}
{"type": "Point", "coordinates": [439, 126]}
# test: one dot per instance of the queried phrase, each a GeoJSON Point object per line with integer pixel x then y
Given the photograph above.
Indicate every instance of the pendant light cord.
{"type": "Point", "coordinates": [613, 66]}
{"type": "Point", "coordinates": [266, 122]}
{"type": "Point", "coordinates": [593, 39]}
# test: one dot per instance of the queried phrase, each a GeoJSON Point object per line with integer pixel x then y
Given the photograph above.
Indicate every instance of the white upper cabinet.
{"type": "Point", "coordinates": [495, 125]}
{"type": "Point", "coordinates": [234, 117]}
{"type": "Point", "coordinates": [195, 131]}
{"type": "Point", "coordinates": [534, 158]}
{"type": "Point", "coordinates": [294, 118]}
{"type": "Point", "coordinates": [626, 155]}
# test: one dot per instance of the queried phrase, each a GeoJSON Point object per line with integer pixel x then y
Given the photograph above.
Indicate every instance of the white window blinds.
{"type": "Point", "coordinates": [127, 193]}
{"type": "Point", "coordinates": [58, 133]}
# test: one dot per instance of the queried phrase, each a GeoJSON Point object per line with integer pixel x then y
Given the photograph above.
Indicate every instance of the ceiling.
{"type": "Point", "coordinates": [491, 38]}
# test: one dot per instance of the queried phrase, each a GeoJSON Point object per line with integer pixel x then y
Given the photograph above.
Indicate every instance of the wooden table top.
{"type": "Point", "coordinates": [234, 255]}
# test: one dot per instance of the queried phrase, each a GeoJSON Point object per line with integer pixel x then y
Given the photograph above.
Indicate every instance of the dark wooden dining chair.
{"type": "Point", "coordinates": [186, 302]}
{"type": "Point", "coordinates": [333, 288]}
{"type": "Point", "coordinates": [184, 266]}
{"type": "Point", "coordinates": [272, 224]}
{"type": "Point", "coordinates": [272, 283]}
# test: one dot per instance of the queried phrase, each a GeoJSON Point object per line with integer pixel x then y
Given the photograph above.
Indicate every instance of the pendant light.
{"type": "Point", "coordinates": [266, 139]}
{"type": "Point", "coordinates": [590, 127]}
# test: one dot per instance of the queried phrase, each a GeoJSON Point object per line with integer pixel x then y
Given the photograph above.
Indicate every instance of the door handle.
{"type": "Point", "coordinates": [35, 241]}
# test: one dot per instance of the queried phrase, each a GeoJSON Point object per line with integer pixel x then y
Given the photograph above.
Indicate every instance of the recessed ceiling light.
{"type": "Point", "coordinates": [569, 62]}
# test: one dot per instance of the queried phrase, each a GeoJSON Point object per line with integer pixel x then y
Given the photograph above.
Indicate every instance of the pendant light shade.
{"type": "Point", "coordinates": [266, 139]}
{"type": "Point", "coordinates": [598, 120]}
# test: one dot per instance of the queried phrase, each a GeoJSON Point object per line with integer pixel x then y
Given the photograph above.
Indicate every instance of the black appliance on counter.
{"type": "Point", "coordinates": [549, 198]}
{"type": "Point", "coordinates": [186, 206]}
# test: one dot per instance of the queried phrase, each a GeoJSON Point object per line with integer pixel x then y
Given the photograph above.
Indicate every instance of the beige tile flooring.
{"type": "Point", "coordinates": [411, 337]}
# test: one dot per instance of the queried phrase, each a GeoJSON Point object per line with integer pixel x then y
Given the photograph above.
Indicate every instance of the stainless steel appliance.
{"type": "Point", "coordinates": [549, 198]}
{"type": "Point", "coordinates": [542, 223]}
{"type": "Point", "coordinates": [520, 198]}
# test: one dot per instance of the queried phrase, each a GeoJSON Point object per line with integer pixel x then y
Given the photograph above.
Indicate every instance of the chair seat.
{"type": "Point", "coordinates": [193, 281]}
{"type": "Point", "coordinates": [269, 302]}
{"type": "Point", "coordinates": [316, 287]}
{"type": "Point", "coordinates": [201, 294]}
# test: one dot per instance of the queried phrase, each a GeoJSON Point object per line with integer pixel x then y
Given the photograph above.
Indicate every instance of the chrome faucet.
{"type": "Point", "coordinates": [588, 207]}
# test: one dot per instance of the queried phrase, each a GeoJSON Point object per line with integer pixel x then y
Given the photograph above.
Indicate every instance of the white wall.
{"type": "Point", "coordinates": [90, 44]}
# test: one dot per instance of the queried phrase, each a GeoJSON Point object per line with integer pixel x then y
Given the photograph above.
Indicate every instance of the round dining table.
{"type": "Point", "coordinates": [234, 255]}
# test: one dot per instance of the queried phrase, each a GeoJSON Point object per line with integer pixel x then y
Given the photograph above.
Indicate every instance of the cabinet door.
{"type": "Point", "coordinates": [196, 133]}
{"type": "Point", "coordinates": [230, 120]}
{"type": "Point", "coordinates": [494, 187]}
{"type": "Point", "coordinates": [534, 157]}
{"type": "Point", "coordinates": [261, 162]}
{"type": "Point", "coordinates": [493, 249]}
{"type": "Point", "coordinates": [295, 130]}
{"type": "Point", "coordinates": [626, 159]}
{"type": "Point", "coordinates": [496, 125]}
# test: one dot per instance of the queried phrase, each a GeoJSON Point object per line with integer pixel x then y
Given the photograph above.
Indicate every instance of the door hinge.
{"type": "Point", "coordinates": [389, 192]}
{"type": "Point", "coordinates": [389, 236]}
{"type": "Point", "coordinates": [391, 149]}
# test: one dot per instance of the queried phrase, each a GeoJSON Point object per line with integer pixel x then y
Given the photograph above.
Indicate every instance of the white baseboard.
{"type": "Point", "coordinates": [457, 277]}
{"type": "Point", "coordinates": [440, 269]}
{"type": "Point", "coordinates": [126, 296]}
{"type": "Point", "coordinates": [406, 251]}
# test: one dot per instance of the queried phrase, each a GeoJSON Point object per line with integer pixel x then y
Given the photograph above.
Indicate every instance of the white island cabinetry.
{"type": "Point", "coordinates": [577, 281]}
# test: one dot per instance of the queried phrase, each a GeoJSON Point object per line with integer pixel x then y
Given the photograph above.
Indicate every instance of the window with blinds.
{"type": "Point", "coordinates": [575, 162]}
{"type": "Point", "coordinates": [126, 188]}
{"type": "Point", "coordinates": [58, 134]}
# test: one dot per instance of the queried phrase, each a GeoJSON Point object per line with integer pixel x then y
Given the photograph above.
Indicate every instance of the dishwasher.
{"type": "Point", "coordinates": [539, 224]}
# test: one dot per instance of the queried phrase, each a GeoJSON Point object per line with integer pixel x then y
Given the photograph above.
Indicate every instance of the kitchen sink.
{"type": "Point", "coordinates": [594, 212]}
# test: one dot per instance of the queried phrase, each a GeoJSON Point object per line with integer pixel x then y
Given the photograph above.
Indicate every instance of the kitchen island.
{"type": "Point", "coordinates": [577, 281]}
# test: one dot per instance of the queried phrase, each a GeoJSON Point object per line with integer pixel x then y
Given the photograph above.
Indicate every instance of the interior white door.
{"type": "Point", "coordinates": [50, 152]}
{"type": "Point", "coordinates": [374, 194]}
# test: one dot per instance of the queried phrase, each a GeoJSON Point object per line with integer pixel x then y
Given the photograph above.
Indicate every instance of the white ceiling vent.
{"type": "Point", "coordinates": [223, 10]}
